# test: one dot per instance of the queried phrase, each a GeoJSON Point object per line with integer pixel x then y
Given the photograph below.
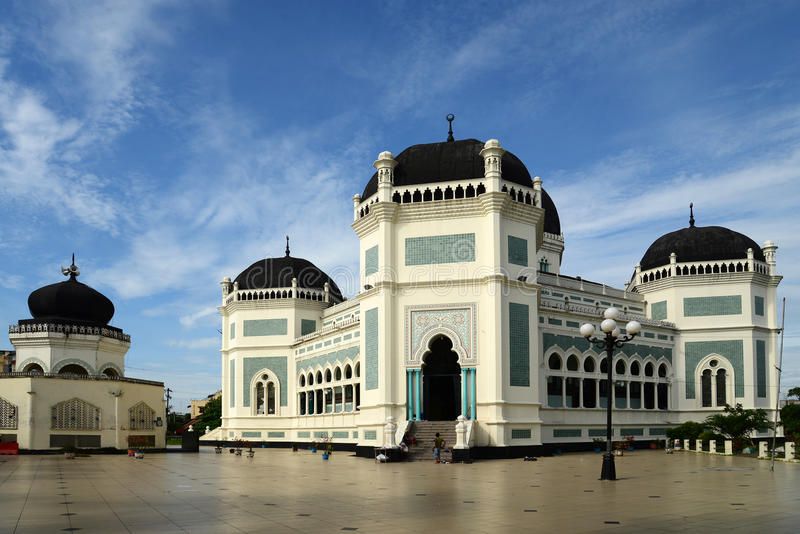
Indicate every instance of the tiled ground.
{"type": "Point", "coordinates": [280, 491]}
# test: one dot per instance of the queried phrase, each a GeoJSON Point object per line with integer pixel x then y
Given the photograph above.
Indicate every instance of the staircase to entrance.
{"type": "Point", "coordinates": [425, 432]}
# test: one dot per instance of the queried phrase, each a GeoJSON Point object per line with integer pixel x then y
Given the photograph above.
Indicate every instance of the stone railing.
{"type": "Point", "coordinates": [696, 268]}
{"type": "Point", "coordinates": [247, 295]}
{"type": "Point", "coordinates": [328, 329]}
{"type": "Point", "coordinates": [597, 311]}
{"type": "Point", "coordinates": [32, 327]}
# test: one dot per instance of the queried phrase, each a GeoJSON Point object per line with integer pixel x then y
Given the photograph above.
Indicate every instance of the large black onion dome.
{"type": "Point", "coordinates": [71, 301]}
{"type": "Point", "coordinates": [700, 243]}
{"type": "Point", "coordinates": [459, 160]}
{"type": "Point", "coordinates": [278, 272]}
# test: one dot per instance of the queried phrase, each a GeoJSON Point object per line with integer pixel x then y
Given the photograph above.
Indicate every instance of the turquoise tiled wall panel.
{"type": "Point", "coordinates": [371, 261]}
{"type": "Point", "coordinates": [251, 434]}
{"type": "Point", "coordinates": [566, 432]}
{"type": "Point", "coordinates": [454, 248]}
{"type": "Point", "coordinates": [732, 350]}
{"type": "Point", "coordinates": [555, 322]}
{"type": "Point", "coordinates": [520, 433]}
{"type": "Point", "coordinates": [632, 431]}
{"type": "Point", "coordinates": [581, 345]}
{"type": "Point", "coordinates": [370, 435]}
{"type": "Point", "coordinates": [705, 306]}
{"type": "Point", "coordinates": [276, 434]}
{"type": "Point", "coordinates": [304, 434]}
{"type": "Point", "coordinates": [307, 326]}
{"type": "Point", "coordinates": [371, 348]}
{"type": "Point", "coordinates": [340, 434]}
{"type": "Point", "coordinates": [658, 311]}
{"type": "Point", "coordinates": [355, 435]}
{"type": "Point", "coordinates": [232, 376]}
{"type": "Point", "coordinates": [758, 306]}
{"type": "Point", "coordinates": [573, 324]}
{"type": "Point", "coordinates": [233, 330]}
{"type": "Point", "coordinates": [519, 344]}
{"type": "Point", "coordinates": [517, 251]}
{"type": "Point", "coordinates": [266, 327]}
{"type": "Point", "coordinates": [598, 432]}
{"type": "Point", "coordinates": [331, 357]}
{"type": "Point", "coordinates": [276, 364]}
{"type": "Point", "coordinates": [761, 368]}
{"type": "Point", "coordinates": [658, 431]}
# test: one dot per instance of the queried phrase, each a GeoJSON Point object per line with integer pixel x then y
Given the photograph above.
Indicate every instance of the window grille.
{"type": "Point", "coordinates": [8, 414]}
{"type": "Point", "coordinates": [75, 414]}
{"type": "Point", "coordinates": [141, 417]}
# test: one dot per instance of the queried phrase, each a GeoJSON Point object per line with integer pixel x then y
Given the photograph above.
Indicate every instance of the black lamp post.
{"type": "Point", "coordinates": [609, 342]}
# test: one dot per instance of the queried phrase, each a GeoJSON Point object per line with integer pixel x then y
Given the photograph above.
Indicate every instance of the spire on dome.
{"type": "Point", "coordinates": [450, 118]}
{"type": "Point", "coordinates": [72, 271]}
{"type": "Point", "coordinates": [691, 214]}
{"type": "Point", "coordinates": [287, 246]}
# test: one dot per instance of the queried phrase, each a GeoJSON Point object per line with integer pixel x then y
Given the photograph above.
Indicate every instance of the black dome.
{"type": "Point", "coordinates": [278, 272]}
{"type": "Point", "coordinates": [459, 160]}
{"type": "Point", "coordinates": [71, 301]}
{"type": "Point", "coordinates": [700, 243]}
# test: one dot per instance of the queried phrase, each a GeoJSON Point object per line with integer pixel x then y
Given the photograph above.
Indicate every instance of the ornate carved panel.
{"type": "Point", "coordinates": [141, 417]}
{"type": "Point", "coordinates": [75, 414]}
{"type": "Point", "coordinates": [456, 321]}
{"type": "Point", "coordinates": [8, 414]}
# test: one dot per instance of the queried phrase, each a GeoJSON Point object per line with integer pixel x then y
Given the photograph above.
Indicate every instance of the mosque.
{"type": "Point", "coordinates": [464, 314]}
{"type": "Point", "coordinates": [68, 387]}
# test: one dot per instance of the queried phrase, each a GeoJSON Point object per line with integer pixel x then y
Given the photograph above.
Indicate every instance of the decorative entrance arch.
{"type": "Point", "coordinates": [441, 381]}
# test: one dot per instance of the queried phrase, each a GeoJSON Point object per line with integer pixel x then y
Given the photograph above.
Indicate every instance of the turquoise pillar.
{"type": "Point", "coordinates": [464, 375]}
{"type": "Point", "coordinates": [473, 408]}
{"type": "Point", "coordinates": [417, 373]}
{"type": "Point", "coordinates": [410, 396]}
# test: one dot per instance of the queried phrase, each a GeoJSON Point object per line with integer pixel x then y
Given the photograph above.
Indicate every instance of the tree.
{"type": "Point", "coordinates": [737, 424]}
{"type": "Point", "coordinates": [790, 419]}
{"type": "Point", "coordinates": [211, 416]}
{"type": "Point", "coordinates": [794, 392]}
{"type": "Point", "coordinates": [688, 430]}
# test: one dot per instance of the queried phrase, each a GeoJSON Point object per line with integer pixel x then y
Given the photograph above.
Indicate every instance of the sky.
{"type": "Point", "coordinates": [171, 143]}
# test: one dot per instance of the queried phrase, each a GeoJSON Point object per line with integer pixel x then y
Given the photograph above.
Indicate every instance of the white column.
{"type": "Point", "coordinates": [762, 449]}
{"type": "Point", "coordinates": [492, 154]}
{"type": "Point", "coordinates": [385, 165]}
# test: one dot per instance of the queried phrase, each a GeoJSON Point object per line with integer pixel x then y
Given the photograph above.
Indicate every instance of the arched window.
{"type": "Point", "coordinates": [319, 377]}
{"type": "Point", "coordinates": [648, 369]}
{"type": "Point", "coordinates": [142, 417]}
{"type": "Point", "coordinates": [310, 379]}
{"type": "Point", "coordinates": [554, 362]}
{"type": "Point", "coordinates": [619, 368]}
{"type": "Point", "coordinates": [327, 375]}
{"type": "Point", "coordinates": [662, 371]}
{"type": "Point", "coordinates": [338, 373]}
{"type": "Point", "coordinates": [722, 385]}
{"type": "Point", "coordinates": [358, 370]}
{"type": "Point", "coordinates": [302, 381]}
{"type": "Point", "coordinates": [705, 386]}
{"type": "Point", "coordinates": [265, 395]}
{"type": "Point", "coordinates": [110, 372]}
{"type": "Point", "coordinates": [604, 366]}
{"type": "Point", "coordinates": [572, 363]}
{"type": "Point", "coordinates": [75, 414]}
{"type": "Point", "coordinates": [34, 368]}
{"type": "Point", "coordinates": [348, 371]}
{"type": "Point", "coordinates": [73, 369]}
{"type": "Point", "coordinates": [635, 368]}
{"type": "Point", "coordinates": [589, 365]}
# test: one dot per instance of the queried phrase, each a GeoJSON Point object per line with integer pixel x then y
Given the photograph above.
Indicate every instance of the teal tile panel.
{"type": "Point", "coordinates": [232, 377]}
{"type": "Point", "coordinates": [307, 326]}
{"type": "Point", "coordinates": [304, 434]}
{"type": "Point", "coordinates": [566, 432]}
{"type": "Point", "coordinates": [520, 433]}
{"type": "Point", "coordinates": [598, 432]}
{"type": "Point", "coordinates": [632, 431]}
{"type": "Point", "coordinates": [517, 251]}
{"type": "Point", "coordinates": [340, 355]}
{"type": "Point", "coordinates": [371, 348]}
{"type": "Point", "coordinates": [454, 248]}
{"type": "Point", "coordinates": [276, 364]}
{"type": "Point", "coordinates": [758, 306]}
{"type": "Point", "coordinates": [251, 434]}
{"type": "Point", "coordinates": [370, 435]}
{"type": "Point", "coordinates": [266, 327]}
{"type": "Point", "coordinates": [371, 261]}
{"type": "Point", "coordinates": [573, 324]}
{"type": "Point", "coordinates": [662, 337]}
{"type": "Point", "coordinates": [233, 331]}
{"type": "Point", "coordinates": [649, 335]}
{"type": "Point", "coordinates": [705, 306]}
{"type": "Point", "coordinates": [566, 343]}
{"type": "Point", "coordinates": [761, 368]}
{"type": "Point", "coordinates": [519, 344]}
{"type": "Point", "coordinates": [276, 434]}
{"type": "Point", "coordinates": [355, 435]}
{"type": "Point", "coordinates": [657, 431]}
{"type": "Point", "coordinates": [658, 311]}
{"type": "Point", "coordinates": [556, 322]}
{"type": "Point", "coordinates": [732, 350]}
{"type": "Point", "coordinates": [322, 434]}
{"type": "Point", "coordinates": [340, 434]}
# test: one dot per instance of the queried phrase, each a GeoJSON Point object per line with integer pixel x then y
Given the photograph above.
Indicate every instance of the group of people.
{"type": "Point", "coordinates": [438, 444]}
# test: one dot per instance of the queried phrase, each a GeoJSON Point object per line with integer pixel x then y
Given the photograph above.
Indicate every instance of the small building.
{"type": "Point", "coordinates": [69, 387]}
{"type": "Point", "coordinates": [198, 405]}
{"type": "Point", "coordinates": [7, 360]}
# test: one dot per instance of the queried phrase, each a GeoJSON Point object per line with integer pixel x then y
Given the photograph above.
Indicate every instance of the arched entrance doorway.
{"type": "Point", "coordinates": [441, 381]}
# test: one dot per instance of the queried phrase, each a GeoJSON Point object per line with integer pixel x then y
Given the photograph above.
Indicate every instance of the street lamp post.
{"type": "Point", "coordinates": [609, 342]}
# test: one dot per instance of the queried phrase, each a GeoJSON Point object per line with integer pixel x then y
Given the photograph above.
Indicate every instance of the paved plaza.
{"type": "Point", "coordinates": [280, 491]}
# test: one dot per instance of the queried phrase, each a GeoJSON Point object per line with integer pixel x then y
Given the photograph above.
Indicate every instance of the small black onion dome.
{"type": "Point", "coordinates": [71, 301]}
{"type": "Point", "coordinates": [700, 243]}
{"type": "Point", "coordinates": [459, 160]}
{"type": "Point", "coordinates": [278, 272]}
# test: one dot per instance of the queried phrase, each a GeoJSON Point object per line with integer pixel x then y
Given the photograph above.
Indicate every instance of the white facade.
{"type": "Point", "coordinates": [463, 311]}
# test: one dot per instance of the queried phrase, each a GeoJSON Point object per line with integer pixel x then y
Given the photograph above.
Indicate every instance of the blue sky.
{"type": "Point", "coordinates": [170, 143]}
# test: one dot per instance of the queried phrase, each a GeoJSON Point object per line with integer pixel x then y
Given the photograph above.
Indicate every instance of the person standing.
{"type": "Point", "coordinates": [438, 445]}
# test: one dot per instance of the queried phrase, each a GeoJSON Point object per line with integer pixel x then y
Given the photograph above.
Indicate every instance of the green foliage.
{"type": "Point", "coordinates": [790, 419]}
{"type": "Point", "coordinates": [688, 430]}
{"type": "Point", "coordinates": [737, 424]}
{"type": "Point", "coordinates": [211, 416]}
{"type": "Point", "coordinates": [794, 392]}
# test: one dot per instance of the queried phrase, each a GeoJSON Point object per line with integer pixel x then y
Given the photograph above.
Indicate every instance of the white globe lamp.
{"type": "Point", "coordinates": [587, 330]}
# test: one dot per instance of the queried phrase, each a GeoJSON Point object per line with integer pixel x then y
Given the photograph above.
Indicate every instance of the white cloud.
{"type": "Point", "coordinates": [191, 319]}
{"type": "Point", "coordinates": [196, 343]}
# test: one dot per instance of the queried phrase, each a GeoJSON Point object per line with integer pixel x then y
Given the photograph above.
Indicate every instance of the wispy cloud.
{"type": "Point", "coordinates": [196, 343]}
{"type": "Point", "coordinates": [191, 319]}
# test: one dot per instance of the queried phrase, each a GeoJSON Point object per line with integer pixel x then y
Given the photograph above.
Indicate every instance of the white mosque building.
{"type": "Point", "coordinates": [69, 387]}
{"type": "Point", "coordinates": [463, 313]}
